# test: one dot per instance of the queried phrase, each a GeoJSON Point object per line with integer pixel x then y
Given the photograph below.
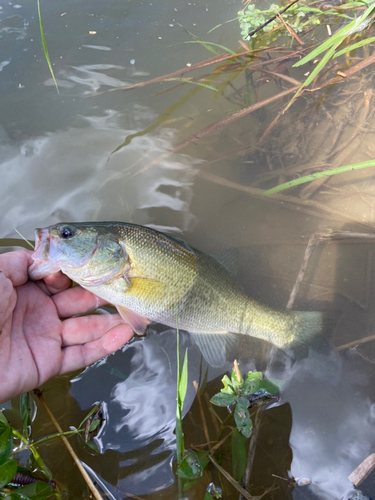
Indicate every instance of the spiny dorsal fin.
{"type": "Point", "coordinates": [229, 260]}
{"type": "Point", "coordinates": [213, 346]}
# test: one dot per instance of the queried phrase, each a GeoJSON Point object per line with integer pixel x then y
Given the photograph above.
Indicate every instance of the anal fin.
{"type": "Point", "coordinates": [213, 346]}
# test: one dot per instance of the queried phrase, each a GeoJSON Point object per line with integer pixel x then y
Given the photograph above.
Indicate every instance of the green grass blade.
{"type": "Point", "coordinates": [336, 37]}
{"type": "Point", "coordinates": [45, 47]}
{"type": "Point", "coordinates": [212, 46]}
{"type": "Point", "coordinates": [318, 175]}
{"type": "Point", "coordinates": [354, 46]}
{"type": "Point", "coordinates": [313, 74]}
{"type": "Point", "coordinates": [221, 24]}
{"type": "Point", "coordinates": [318, 68]}
{"type": "Point", "coordinates": [183, 381]}
{"type": "Point", "coordinates": [322, 48]}
{"type": "Point", "coordinates": [27, 241]}
{"type": "Point", "coordinates": [180, 447]}
{"type": "Point", "coordinates": [187, 80]}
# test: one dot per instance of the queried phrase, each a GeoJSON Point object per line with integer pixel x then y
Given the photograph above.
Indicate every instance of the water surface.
{"type": "Point", "coordinates": [85, 153]}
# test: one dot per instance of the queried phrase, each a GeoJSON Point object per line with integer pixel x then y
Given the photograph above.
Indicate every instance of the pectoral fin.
{"type": "Point", "coordinates": [213, 346]}
{"type": "Point", "coordinates": [135, 321]}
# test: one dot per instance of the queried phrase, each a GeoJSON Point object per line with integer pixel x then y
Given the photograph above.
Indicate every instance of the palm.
{"type": "Point", "coordinates": [35, 344]}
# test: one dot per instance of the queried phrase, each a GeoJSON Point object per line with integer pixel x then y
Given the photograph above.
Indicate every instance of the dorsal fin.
{"type": "Point", "coordinates": [229, 260]}
{"type": "Point", "coordinates": [213, 346]}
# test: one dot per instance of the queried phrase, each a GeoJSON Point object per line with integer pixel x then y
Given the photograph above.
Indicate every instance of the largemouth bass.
{"type": "Point", "coordinates": [152, 277]}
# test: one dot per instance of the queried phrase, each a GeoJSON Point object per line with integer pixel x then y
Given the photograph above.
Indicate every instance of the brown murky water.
{"type": "Point", "coordinates": [92, 153]}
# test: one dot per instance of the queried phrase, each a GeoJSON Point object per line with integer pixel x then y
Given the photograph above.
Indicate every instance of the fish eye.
{"type": "Point", "coordinates": [66, 232]}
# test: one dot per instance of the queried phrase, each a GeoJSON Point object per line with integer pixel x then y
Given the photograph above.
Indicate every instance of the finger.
{"type": "Point", "coordinates": [75, 301]}
{"type": "Point", "coordinates": [80, 356]}
{"type": "Point", "coordinates": [15, 264]}
{"type": "Point", "coordinates": [8, 298]}
{"type": "Point", "coordinates": [57, 282]}
{"type": "Point", "coordinates": [89, 328]}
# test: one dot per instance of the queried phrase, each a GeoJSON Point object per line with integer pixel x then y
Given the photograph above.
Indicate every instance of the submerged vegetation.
{"type": "Point", "coordinates": [23, 472]}
{"type": "Point", "coordinates": [240, 396]}
{"type": "Point", "coordinates": [262, 62]}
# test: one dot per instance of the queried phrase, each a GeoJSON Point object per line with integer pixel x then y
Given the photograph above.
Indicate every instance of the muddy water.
{"type": "Point", "coordinates": [86, 153]}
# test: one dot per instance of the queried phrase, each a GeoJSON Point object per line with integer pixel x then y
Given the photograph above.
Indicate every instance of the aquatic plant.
{"type": "Point", "coordinates": [239, 394]}
{"type": "Point", "coordinates": [251, 18]}
{"type": "Point", "coordinates": [32, 480]}
{"type": "Point", "coordinates": [46, 55]}
{"type": "Point", "coordinates": [319, 175]}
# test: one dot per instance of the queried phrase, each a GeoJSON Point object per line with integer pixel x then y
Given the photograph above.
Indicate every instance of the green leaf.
{"type": "Point", "coordinates": [318, 175]}
{"type": "Point", "coordinates": [3, 420]}
{"type": "Point", "coordinates": [16, 496]}
{"type": "Point", "coordinates": [244, 402]}
{"type": "Point", "coordinates": [7, 472]}
{"type": "Point", "coordinates": [191, 466]}
{"type": "Point", "coordinates": [239, 456]}
{"type": "Point", "coordinates": [95, 424]}
{"type": "Point", "coordinates": [252, 383]}
{"type": "Point", "coordinates": [37, 491]}
{"type": "Point", "coordinates": [92, 445]}
{"type": "Point", "coordinates": [243, 420]}
{"type": "Point", "coordinates": [227, 383]}
{"type": "Point", "coordinates": [272, 385]}
{"type": "Point", "coordinates": [6, 442]}
{"type": "Point", "coordinates": [183, 381]}
{"type": "Point", "coordinates": [354, 46]}
{"type": "Point", "coordinates": [222, 399]}
{"type": "Point", "coordinates": [336, 38]}
{"type": "Point", "coordinates": [93, 410]}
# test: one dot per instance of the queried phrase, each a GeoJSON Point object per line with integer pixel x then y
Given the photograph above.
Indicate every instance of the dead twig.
{"type": "Point", "coordinates": [290, 30]}
{"type": "Point", "coordinates": [193, 139]}
{"type": "Point", "coordinates": [313, 242]}
{"type": "Point", "coordinates": [214, 420]}
{"type": "Point", "coordinates": [363, 470]}
{"type": "Point", "coordinates": [252, 447]}
{"type": "Point", "coordinates": [252, 33]}
{"type": "Point", "coordinates": [355, 343]}
{"type": "Point", "coordinates": [203, 418]}
{"type": "Point", "coordinates": [77, 461]}
{"type": "Point", "coordinates": [349, 72]}
{"type": "Point", "coordinates": [231, 480]}
{"type": "Point", "coordinates": [208, 62]}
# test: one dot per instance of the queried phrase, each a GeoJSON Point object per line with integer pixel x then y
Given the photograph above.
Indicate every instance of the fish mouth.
{"type": "Point", "coordinates": [44, 263]}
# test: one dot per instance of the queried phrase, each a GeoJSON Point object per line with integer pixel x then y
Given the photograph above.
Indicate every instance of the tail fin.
{"type": "Point", "coordinates": [314, 345]}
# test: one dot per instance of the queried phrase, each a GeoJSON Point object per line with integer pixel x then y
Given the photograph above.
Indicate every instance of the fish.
{"type": "Point", "coordinates": [150, 276]}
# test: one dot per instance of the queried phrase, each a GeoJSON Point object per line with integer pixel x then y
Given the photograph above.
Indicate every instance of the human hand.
{"type": "Point", "coordinates": [35, 344]}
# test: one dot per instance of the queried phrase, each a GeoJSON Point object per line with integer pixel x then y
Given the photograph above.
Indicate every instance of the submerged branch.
{"type": "Point", "coordinates": [314, 241]}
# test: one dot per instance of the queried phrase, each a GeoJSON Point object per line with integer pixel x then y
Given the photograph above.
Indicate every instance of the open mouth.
{"type": "Point", "coordinates": [43, 265]}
